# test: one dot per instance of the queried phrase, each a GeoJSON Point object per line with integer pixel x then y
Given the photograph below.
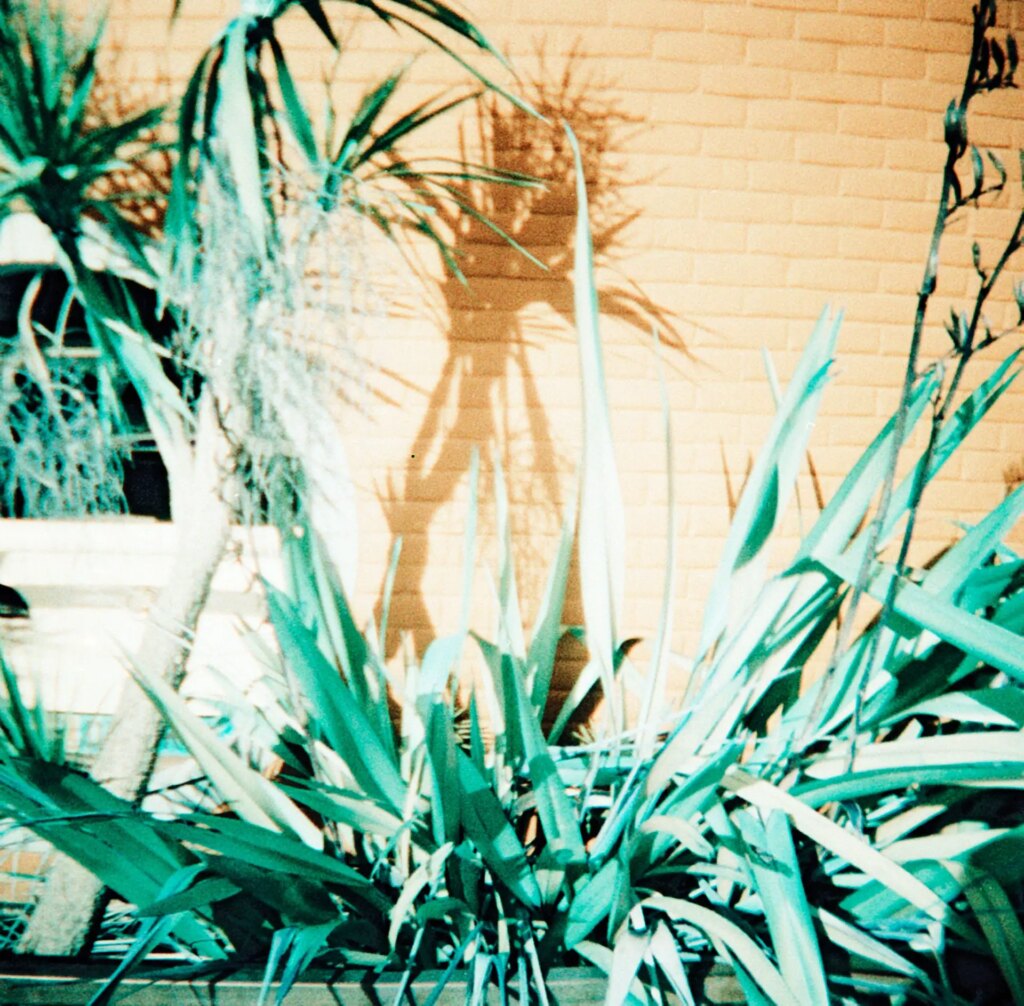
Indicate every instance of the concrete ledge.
{"type": "Point", "coordinates": [63, 986]}
{"type": "Point", "coordinates": [48, 982]}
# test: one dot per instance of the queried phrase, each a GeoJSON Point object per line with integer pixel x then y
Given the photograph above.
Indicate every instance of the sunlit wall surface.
{"type": "Point", "coordinates": [749, 163]}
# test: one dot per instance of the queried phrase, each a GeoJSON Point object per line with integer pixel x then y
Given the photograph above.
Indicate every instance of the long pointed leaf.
{"type": "Point", "coordinates": [343, 723]}
{"type": "Point", "coordinates": [602, 549]}
{"type": "Point", "coordinates": [250, 795]}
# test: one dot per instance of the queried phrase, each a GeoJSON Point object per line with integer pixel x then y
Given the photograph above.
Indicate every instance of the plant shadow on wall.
{"type": "Point", "coordinates": [495, 286]}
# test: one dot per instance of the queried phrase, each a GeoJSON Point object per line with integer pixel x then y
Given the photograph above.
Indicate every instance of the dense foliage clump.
{"type": "Point", "coordinates": [847, 836]}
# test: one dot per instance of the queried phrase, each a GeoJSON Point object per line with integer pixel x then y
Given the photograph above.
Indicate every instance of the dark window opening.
{"type": "Point", "coordinates": [68, 350]}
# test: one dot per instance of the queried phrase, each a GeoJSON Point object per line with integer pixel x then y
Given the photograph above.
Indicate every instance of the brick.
{"type": "Point", "coordinates": [990, 131]}
{"type": "Point", "coordinates": [783, 303]}
{"type": "Point", "coordinates": [795, 178]}
{"type": "Point", "coordinates": [849, 29]}
{"type": "Point", "coordinates": [668, 138]}
{"type": "Point", "coordinates": [675, 200]}
{"type": "Point", "coordinates": [1003, 105]}
{"type": "Point", "coordinates": [673, 76]}
{"type": "Point", "coordinates": [840, 210]}
{"type": "Point", "coordinates": [723, 396]}
{"type": "Point", "coordinates": [793, 54]}
{"type": "Point", "coordinates": [726, 269]}
{"type": "Point", "coordinates": [887, 308]}
{"type": "Point", "coordinates": [861, 342]}
{"type": "Point", "coordinates": [659, 14]}
{"type": "Point", "coordinates": [931, 36]}
{"type": "Point", "coordinates": [594, 43]}
{"type": "Point", "coordinates": [953, 282]}
{"type": "Point", "coordinates": [752, 145]}
{"type": "Point", "coordinates": [915, 155]}
{"type": "Point", "coordinates": [878, 184]}
{"type": "Point", "coordinates": [177, 65]}
{"type": "Point", "coordinates": [1009, 444]}
{"type": "Point", "coordinates": [723, 237]}
{"type": "Point", "coordinates": [922, 94]}
{"type": "Point", "coordinates": [753, 22]}
{"type": "Point", "coordinates": [947, 10]}
{"type": "Point", "coordinates": [730, 362]}
{"type": "Point", "coordinates": [662, 265]}
{"type": "Point", "coordinates": [946, 68]}
{"type": "Point", "coordinates": [836, 87]}
{"type": "Point", "coordinates": [962, 498]}
{"type": "Point", "coordinates": [847, 400]}
{"type": "Point", "coordinates": [883, 123]}
{"type": "Point", "coordinates": [751, 206]}
{"type": "Point", "coordinates": [699, 47]}
{"type": "Point", "coordinates": [746, 82]}
{"type": "Point", "coordinates": [841, 151]}
{"type": "Point", "coordinates": [882, 8]}
{"type": "Point", "coordinates": [802, 116]}
{"type": "Point", "coordinates": [853, 431]}
{"type": "Point", "coordinates": [884, 62]}
{"type": "Point", "coordinates": [576, 12]}
{"type": "Point", "coordinates": [836, 275]}
{"type": "Point", "coordinates": [225, 8]}
{"type": "Point", "coordinates": [795, 241]}
{"type": "Point", "coordinates": [693, 172]}
{"type": "Point", "coordinates": [700, 109]}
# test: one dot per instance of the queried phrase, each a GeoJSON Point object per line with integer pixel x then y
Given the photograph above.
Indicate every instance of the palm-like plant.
{"type": "Point", "coordinates": [53, 150]}
{"type": "Point", "coordinates": [56, 161]}
{"type": "Point", "coordinates": [54, 156]}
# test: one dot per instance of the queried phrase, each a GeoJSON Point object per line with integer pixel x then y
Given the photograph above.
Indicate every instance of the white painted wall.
{"type": "Point", "coordinates": [90, 584]}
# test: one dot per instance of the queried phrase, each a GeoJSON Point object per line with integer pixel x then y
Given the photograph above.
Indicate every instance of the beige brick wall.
{"type": "Point", "coordinates": [752, 161]}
